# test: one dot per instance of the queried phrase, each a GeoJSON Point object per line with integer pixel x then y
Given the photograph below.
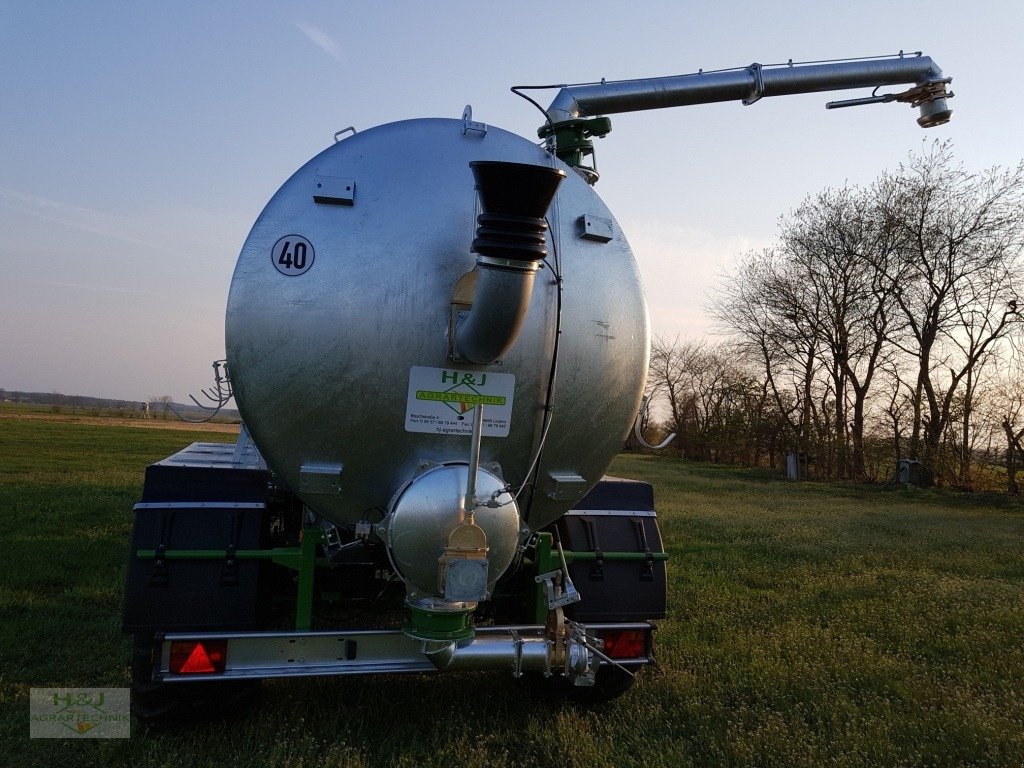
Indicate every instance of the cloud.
{"type": "Point", "coordinates": [86, 286]}
{"type": "Point", "coordinates": [78, 217]}
{"type": "Point", "coordinates": [322, 40]}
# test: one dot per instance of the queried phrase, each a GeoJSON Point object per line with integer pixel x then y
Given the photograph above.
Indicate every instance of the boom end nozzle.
{"type": "Point", "coordinates": [934, 112]}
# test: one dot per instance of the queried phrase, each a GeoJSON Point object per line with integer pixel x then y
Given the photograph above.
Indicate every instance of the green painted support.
{"type": "Point", "coordinates": [573, 139]}
{"type": "Point", "coordinates": [439, 627]}
{"type": "Point", "coordinates": [546, 560]}
{"type": "Point", "coordinates": [311, 537]}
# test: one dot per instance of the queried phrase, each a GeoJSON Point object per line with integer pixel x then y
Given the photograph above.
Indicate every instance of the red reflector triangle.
{"type": "Point", "coordinates": [198, 661]}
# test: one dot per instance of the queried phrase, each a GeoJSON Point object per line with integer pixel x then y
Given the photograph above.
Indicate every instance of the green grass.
{"type": "Point", "coordinates": [809, 625]}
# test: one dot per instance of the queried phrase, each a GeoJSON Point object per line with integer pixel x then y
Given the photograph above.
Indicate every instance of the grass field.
{"type": "Point", "coordinates": [810, 625]}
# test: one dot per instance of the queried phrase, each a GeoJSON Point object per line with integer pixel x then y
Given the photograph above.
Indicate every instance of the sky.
{"type": "Point", "coordinates": [141, 140]}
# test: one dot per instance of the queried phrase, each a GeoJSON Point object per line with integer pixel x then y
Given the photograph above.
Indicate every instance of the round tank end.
{"type": "Point", "coordinates": [441, 574]}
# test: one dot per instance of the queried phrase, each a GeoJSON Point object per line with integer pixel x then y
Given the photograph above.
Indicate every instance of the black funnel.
{"type": "Point", "coordinates": [516, 189]}
{"type": "Point", "coordinates": [514, 198]}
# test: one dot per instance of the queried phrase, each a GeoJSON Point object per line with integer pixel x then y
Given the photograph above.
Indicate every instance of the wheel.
{"type": "Point", "coordinates": [169, 704]}
{"type": "Point", "coordinates": [610, 683]}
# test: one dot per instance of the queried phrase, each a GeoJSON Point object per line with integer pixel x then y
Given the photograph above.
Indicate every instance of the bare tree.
{"type": "Point", "coordinates": [1014, 449]}
{"type": "Point", "coordinates": [666, 381]}
{"type": "Point", "coordinates": [836, 240]}
{"type": "Point", "coordinates": [955, 278]}
{"type": "Point", "coordinates": [715, 406]}
{"type": "Point", "coordinates": [161, 405]}
{"type": "Point", "coordinates": [915, 281]}
{"type": "Point", "coordinates": [1005, 410]}
{"type": "Point", "coordinates": [776, 324]}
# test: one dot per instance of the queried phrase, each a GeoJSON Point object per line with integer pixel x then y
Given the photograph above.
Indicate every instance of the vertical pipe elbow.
{"type": "Point", "coordinates": [440, 654]}
{"type": "Point", "coordinates": [486, 652]}
{"type": "Point", "coordinates": [499, 310]}
{"type": "Point", "coordinates": [510, 243]}
{"type": "Point", "coordinates": [563, 107]}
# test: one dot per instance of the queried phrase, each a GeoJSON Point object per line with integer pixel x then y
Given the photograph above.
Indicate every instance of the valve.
{"type": "Point", "coordinates": [572, 140]}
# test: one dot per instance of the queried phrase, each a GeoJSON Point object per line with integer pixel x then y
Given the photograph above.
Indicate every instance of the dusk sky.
{"type": "Point", "coordinates": [141, 140]}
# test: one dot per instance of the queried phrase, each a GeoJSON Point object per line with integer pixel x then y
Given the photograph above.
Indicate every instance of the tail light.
{"type": "Point", "coordinates": [197, 657]}
{"type": "Point", "coordinates": [624, 643]}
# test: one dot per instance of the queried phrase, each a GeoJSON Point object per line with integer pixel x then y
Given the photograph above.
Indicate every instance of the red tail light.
{"type": "Point", "coordinates": [624, 644]}
{"type": "Point", "coordinates": [192, 657]}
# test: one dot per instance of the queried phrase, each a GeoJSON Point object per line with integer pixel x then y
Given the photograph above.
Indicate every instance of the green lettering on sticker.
{"type": "Point", "coordinates": [459, 397]}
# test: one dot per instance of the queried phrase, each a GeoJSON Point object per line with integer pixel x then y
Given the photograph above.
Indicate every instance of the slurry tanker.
{"type": "Point", "coordinates": [438, 341]}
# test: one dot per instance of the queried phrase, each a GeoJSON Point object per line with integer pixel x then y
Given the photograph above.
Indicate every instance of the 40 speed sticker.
{"type": "Point", "coordinates": [292, 255]}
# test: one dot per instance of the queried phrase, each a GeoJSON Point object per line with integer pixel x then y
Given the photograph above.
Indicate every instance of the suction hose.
{"type": "Point", "coordinates": [510, 243]}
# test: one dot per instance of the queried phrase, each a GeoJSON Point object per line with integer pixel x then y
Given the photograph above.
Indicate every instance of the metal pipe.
{"type": "Point", "coordinates": [748, 84]}
{"type": "Point", "coordinates": [638, 432]}
{"type": "Point", "coordinates": [521, 654]}
{"type": "Point", "coordinates": [474, 461]}
{"type": "Point", "coordinates": [883, 99]}
{"type": "Point", "coordinates": [500, 305]}
{"type": "Point", "coordinates": [513, 651]}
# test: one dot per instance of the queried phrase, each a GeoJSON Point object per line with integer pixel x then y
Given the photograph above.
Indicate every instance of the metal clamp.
{"type": "Point", "coordinates": [519, 265]}
{"type": "Point", "coordinates": [647, 565]}
{"type": "Point", "coordinates": [332, 543]}
{"type": "Point", "coordinates": [925, 92]}
{"type": "Point", "coordinates": [755, 70]}
{"type": "Point", "coordinates": [557, 595]}
{"type": "Point", "coordinates": [597, 566]}
{"type": "Point", "coordinates": [558, 586]}
{"type": "Point", "coordinates": [517, 656]}
{"type": "Point", "coordinates": [578, 633]}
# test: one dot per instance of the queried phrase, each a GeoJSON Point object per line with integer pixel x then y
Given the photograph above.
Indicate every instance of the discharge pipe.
{"type": "Point", "coordinates": [510, 243]}
{"type": "Point", "coordinates": [756, 81]}
{"type": "Point", "coordinates": [512, 650]}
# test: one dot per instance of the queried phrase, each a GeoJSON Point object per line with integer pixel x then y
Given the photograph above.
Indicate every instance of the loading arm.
{"type": "Point", "coordinates": [577, 112]}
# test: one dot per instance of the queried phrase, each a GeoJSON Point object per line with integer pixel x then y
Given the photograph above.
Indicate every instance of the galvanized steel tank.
{"type": "Point", "coordinates": [340, 309]}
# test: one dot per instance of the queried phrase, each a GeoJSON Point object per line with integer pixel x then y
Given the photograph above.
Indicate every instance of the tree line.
{"type": "Point", "coordinates": [883, 325]}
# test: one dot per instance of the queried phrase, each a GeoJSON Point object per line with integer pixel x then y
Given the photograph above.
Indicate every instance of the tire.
{"type": "Point", "coordinates": [165, 705]}
{"type": "Point", "coordinates": [609, 684]}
